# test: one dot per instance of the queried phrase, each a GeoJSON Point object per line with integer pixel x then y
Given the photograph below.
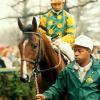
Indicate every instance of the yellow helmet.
{"type": "Point", "coordinates": [57, 1]}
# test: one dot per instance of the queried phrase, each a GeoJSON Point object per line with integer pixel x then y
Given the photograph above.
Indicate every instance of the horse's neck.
{"type": "Point", "coordinates": [52, 57]}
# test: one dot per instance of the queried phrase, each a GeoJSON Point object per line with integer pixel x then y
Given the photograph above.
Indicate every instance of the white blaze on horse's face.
{"type": "Point", "coordinates": [24, 44]}
{"type": "Point", "coordinates": [25, 73]}
{"type": "Point", "coordinates": [24, 70]}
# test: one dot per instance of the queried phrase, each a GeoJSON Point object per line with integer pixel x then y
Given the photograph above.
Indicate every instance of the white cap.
{"type": "Point", "coordinates": [84, 41]}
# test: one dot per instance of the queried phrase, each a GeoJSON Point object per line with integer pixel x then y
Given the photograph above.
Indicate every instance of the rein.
{"type": "Point", "coordinates": [52, 68]}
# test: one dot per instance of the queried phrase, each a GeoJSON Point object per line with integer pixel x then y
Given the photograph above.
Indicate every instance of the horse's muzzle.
{"type": "Point", "coordinates": [25, 80]}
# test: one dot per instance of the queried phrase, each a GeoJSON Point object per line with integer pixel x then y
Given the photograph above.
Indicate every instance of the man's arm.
{"type": "Point", "coordinates": [57, 89]}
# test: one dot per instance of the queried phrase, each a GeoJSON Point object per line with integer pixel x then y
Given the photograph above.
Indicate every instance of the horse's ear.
{"type": "Point", "coordinates": [34, 24]}
{"type": "Point", "coordinates": [21, 26]}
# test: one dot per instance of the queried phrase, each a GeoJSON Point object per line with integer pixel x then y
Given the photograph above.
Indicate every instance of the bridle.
{"type": "Point", "coordinates": [39, 56]}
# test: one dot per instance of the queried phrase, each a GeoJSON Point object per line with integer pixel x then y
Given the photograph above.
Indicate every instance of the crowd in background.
{"type": "Point", "coordinates": [9, 56]}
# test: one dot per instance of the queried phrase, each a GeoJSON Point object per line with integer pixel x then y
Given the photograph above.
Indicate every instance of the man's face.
{"type": "Point", "coordinates": [57, 6]}
{"type": "Point", "coordinates": [82, 55]}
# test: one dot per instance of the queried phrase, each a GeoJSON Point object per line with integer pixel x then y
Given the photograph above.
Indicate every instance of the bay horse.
{"type": "Point", "coordinates": [37, 55]}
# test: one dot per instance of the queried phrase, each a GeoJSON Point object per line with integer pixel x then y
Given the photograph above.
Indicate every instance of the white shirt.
{"type": "Point", "coordinates": [82, 70]}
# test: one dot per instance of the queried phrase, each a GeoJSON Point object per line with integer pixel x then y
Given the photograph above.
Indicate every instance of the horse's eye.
{"type": "Point", "coordinates": [33, 46]}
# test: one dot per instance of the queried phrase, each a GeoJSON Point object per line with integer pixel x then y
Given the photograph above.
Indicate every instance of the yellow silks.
{"type": "Point", "coordinates": [68, 38]}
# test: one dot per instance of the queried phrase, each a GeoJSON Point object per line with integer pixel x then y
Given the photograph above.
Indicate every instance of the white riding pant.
{"type": "Point", "coordinates": [65, 48]}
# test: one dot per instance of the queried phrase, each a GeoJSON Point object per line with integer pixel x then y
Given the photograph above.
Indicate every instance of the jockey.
{"type": "Point", "coordinates": [59, 26]}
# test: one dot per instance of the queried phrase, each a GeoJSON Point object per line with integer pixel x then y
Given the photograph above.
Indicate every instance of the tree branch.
{"type": "Point", "coordinates": [41, 13]}
{"type": "Point", "coordinates": [15, 9]}
{"type": "Point", "coordinates": [84, 4]}
{"type": "Point", "coordinates": [28, 15]}
{"type": "Point", "coordinates": [17, 3]}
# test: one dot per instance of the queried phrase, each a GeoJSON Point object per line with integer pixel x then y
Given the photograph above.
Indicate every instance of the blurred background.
{"type": "Point", "coordinates": [86, 13]}
{"type": "Point", "coordinates": [87, 16]}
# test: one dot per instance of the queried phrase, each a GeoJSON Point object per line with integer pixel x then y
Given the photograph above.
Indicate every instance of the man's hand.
{"type": "Point", "coordinates": [40, 97]}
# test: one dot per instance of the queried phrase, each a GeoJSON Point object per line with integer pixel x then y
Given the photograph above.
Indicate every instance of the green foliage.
{"type": "Point", "coordinates": [12, 87]}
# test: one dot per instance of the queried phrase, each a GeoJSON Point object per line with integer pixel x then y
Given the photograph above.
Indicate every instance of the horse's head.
{"type": "Point", "coordinates": [29, 48]}
{"type": "Point", "coordinates": [37, 54]}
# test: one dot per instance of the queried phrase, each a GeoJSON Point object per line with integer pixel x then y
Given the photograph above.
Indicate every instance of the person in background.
{"type": "Point", "coordinates": [81, 78]}
{"type": "Point", "coordinates": [96, 50]}
{"type": "Point", "coordinates": [6, 56]}
{"type": "Point", "coordinates": [2, 63]}
{"type": "Point", "coordinates": [59, 26]}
